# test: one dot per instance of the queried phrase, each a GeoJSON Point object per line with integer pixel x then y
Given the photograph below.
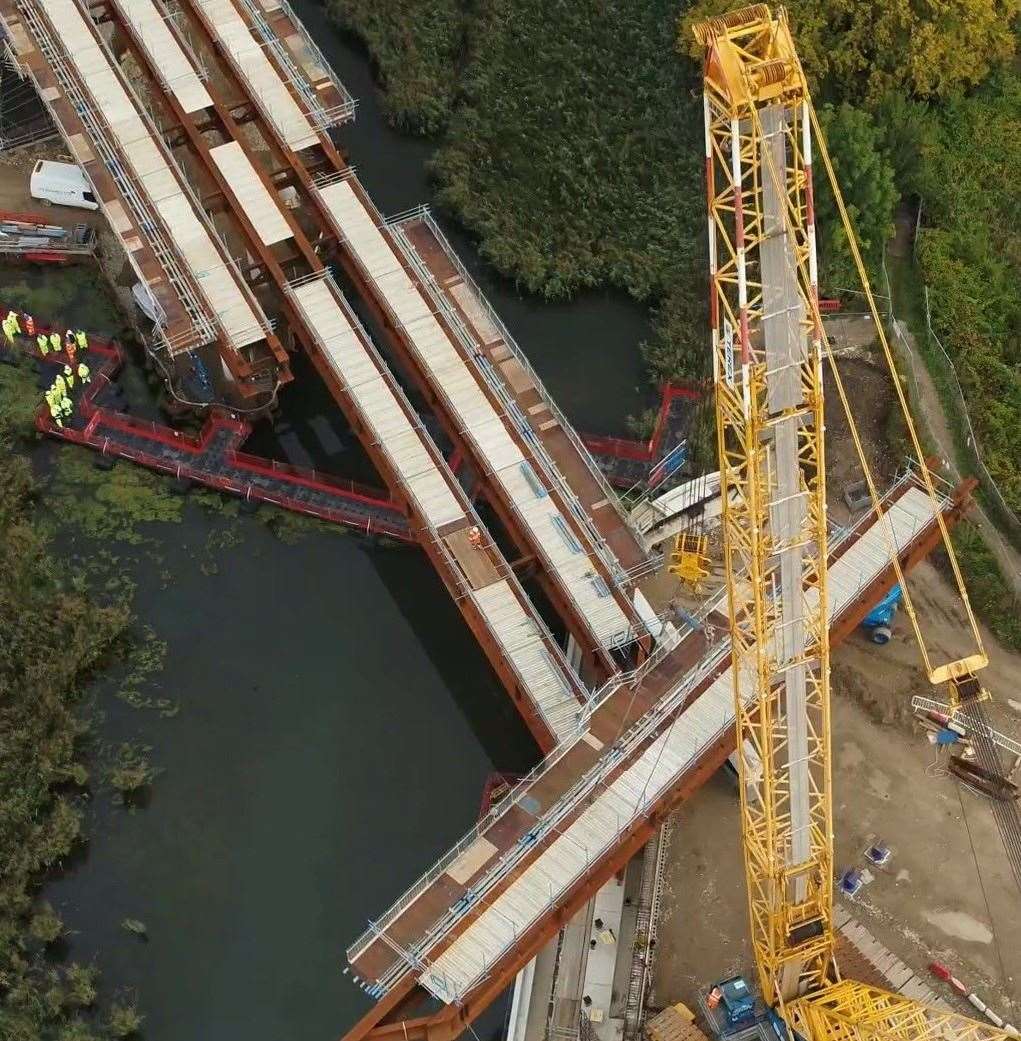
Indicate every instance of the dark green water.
{"type": "Point", "coordinates": [337, 723]}
{"type": "Point", "coordinates": [586, 351]}
{"type": "Point", "coordinates": [337, 719]}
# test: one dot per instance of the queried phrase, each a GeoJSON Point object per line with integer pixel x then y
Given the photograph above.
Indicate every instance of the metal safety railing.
{"type": "Point", "coordinates": [613, 567]}
{"type": "Point", "coordinates": [503, 569]}
{"type": "Point", "coordinates": [319, 115]}
{"type": "Point", "coordinates": [424, 214]}
{"type": "Point", "coordinates": [518, 796]}
{"type": "Point", "coordinates": [587, 788]}
{"type": "Point", "coordinates": [97, 126]}
{"type": "Point", "coordinates": [583, 789]}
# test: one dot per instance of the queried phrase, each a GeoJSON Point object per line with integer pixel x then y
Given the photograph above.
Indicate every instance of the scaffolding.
{"type": "Point", "coordinates": [202, 329]}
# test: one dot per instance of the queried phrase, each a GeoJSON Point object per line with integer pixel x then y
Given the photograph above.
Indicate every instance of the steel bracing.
{"type": "Point", "coordinates": [767, 355]}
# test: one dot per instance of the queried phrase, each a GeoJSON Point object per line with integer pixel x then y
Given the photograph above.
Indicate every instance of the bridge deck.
{"type": "Point", "coordinates": [458, 296]}
{"type": "Point", "coordinates": [229, 303]}
{"type": "Point", "coordinates": [446, 516]}
{"type": "Point", "coordinates": [538, 504]}
{"type": "Point", "coordinates": [508, 625]}
{"type": "Point", "coordinates": [503, 442]}
{"type": "Point", "coordinates": [466, 914]}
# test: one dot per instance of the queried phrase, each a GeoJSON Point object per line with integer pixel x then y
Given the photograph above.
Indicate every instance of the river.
{"type": "Point", "coordinates": [337, 720]}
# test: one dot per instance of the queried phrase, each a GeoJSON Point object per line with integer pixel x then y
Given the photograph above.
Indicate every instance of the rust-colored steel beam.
{"type": "Point", "coordinates": [228, 130]}
{"type": "Point", "coordinates": [193, 131]}
{"type": "Point", "coordinates": [327, 153]}
{"type": "Point", "coordinates": [450, 1021]}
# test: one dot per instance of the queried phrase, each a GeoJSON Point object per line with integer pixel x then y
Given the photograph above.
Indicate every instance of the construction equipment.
{"type": "Point", "coordinates": [690, 560]}
{"type": "Point", "coordinates": [877, 623]}
{"type": "Point", "coordinates": [28, 236]}
{"type": "Point", "coordinates": [768, 351]}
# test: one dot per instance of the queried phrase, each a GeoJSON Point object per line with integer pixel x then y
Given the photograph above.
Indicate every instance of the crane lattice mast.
{"type": "Point", "coordinates": [767, 354]}
{"type": "Point", "coordinates": [768, 345]}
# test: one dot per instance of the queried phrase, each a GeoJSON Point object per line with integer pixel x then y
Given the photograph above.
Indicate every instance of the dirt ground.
{"type": "Point", "coordinates": [947, 894]}
{"type": "Point", "coordinates": [15, 172]}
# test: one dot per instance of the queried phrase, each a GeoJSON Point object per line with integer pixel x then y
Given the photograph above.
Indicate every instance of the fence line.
{"type": "Point", "coordinates": [966, 441]}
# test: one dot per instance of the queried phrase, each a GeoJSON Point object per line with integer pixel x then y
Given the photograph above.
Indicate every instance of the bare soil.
{"type": "Point", "coordinates": [948, 893]}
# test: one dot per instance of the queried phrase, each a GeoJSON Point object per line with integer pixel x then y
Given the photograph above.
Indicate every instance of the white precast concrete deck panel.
{"type": "Point", "coordinates": [175, 68]}
{"type": "Point", "coordinates": [259, 73]}
{"type": "Point", "coordinates": [478, 419]}
{"type": "Point", "coordinates": [397, 438]}
{"type": "Point", "coordinates": [519, 636]}
{"type": "Point", "coordinates": [469, 957]}
{"type": "Point", "coordinates": [517, 633]}
{"type": "Point", "coordinates": [259, 206]}
{"type": "Point", "coordinates": [218, 284]}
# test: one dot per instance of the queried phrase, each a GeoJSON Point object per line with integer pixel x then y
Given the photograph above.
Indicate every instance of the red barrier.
{"type": "Point", "coordinates": [103, 422]}
{"type": "Point", "coordinates": [643, 451]}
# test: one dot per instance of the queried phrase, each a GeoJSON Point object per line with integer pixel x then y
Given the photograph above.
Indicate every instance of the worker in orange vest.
{"type": "Point", "coordinates": [475, 537]}
{"type": "Point", "coordinates": [70, 346]}
{"type": "Point", "coordinates": [29, 325]}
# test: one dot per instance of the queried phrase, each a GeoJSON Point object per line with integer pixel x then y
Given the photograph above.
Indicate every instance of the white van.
{"type": "Point", "coordinates": [63, 184]}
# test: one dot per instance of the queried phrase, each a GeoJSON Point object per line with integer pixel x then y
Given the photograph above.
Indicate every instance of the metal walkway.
{"type": "Point", "coordinates": [482, 909]}
{"type": "Point", "coordinates": [212, 458]}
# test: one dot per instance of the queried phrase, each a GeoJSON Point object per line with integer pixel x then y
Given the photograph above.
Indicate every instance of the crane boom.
{"type": "Point", "coordinates": [768, 345]}
{"type": "Point", "coordinates": [767, 351]}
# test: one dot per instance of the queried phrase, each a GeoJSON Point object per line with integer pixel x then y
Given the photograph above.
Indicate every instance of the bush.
{"type": "Point", "coordinates": [124, 1020]}
{"type": "Point", "coordinates": [416, 46]}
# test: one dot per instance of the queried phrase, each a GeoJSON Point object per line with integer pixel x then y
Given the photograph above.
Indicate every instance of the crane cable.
{"type": "Point", "coordinates": [902, 399]}
{"type": "Point", "coordinates": [881, 515]}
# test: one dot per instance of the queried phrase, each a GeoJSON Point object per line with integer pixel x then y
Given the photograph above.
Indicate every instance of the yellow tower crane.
{"type": "Point", "coordinates": [769, 347]}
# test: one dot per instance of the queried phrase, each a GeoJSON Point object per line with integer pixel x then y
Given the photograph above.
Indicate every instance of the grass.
{"type": "Point", "coordinates": [991, 596]}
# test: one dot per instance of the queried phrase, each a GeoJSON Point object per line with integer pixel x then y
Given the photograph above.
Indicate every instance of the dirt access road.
{"type": "Point", "coordinates": [948, 892]}
{"type": "Point", "coordinates": [932, 420]}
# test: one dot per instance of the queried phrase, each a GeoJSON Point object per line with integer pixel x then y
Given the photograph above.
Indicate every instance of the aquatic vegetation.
{"type": "Point", "coordinates": [110, 504]}
{"type": "Point", "coordinates": [46, 925]}
{"type": "Point", "coordinates": [135, 925]}
{"type": "Point", "coordinates": [40, 818]}
{"type": "Point", "coordinates": [19, 399]}
{"type": "Point", "coordinates": [130, 771]}
{"type": "Point", "coordinates": [416, 47]}
{"type": "Point", "coordinates": [145, 658]}
{"type": "Point", "coordinates": [124, 1020]}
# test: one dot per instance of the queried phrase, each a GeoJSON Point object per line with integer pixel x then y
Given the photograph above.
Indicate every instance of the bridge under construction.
{"type": "Point", "coordinates": [206, 127]}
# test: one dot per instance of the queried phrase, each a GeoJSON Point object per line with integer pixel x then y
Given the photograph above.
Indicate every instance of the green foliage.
{"type": "Point", "coordinates": [643, 425]}
{"type": "Point", "coordinates": [969, 253]}
{"type": "Point", "coordinates": [575, 153]}
{"type": "Point", "coordinates": [46, 925]}
{"type": "Point", "coordinates": [40, 820]}
{"type": "Point", "coordinates": [81, 984]}
{"type": "Point", "coordinates": [416, 46]}
{"type": "Point", "coordinates": [125, 1020]}
{"type": "Point", "coordinates": [130, 770]}
{"type": "Point", "coordinates": [679, 347]}
{"type": "Point", "coordinates": [19, 399]}
{"type": "Point", "coordinates": [865, 176]}
{"type": "Point", "coordinates": [990, 595]}
{"type": "Point", "coordinates": [860, 51]}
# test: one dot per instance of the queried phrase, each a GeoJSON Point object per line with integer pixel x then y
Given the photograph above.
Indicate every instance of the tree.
{"type": "Point", "coordinates": [865, 176]}
{"type": "Point", "coordinates": [861, 51]}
